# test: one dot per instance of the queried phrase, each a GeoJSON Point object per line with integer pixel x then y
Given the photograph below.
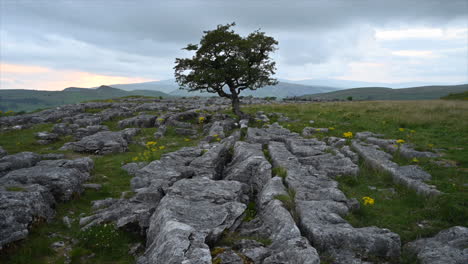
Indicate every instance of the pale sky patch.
{"type": "Point", "coordinates": [15, 76]}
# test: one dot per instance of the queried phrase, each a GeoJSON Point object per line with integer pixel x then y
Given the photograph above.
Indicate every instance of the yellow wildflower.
{"type": "Point", "coordinates": [215, 135]}
{"type": "Point", "coordinates": [401, 129]}
{"type": "Point", "coordinates": [160, 119]}
{"type": "Point", "coordinates": [318, 129]}
{"type": "Point", "coordinates": [412, 131]}
{"type": "Point", "coordinates": [368, 200]}
{"type": "Point", "coordinates": [218, 139]}
{"type": "Point", "coordinates": [135, 158]}
{"type": "Point", "coordinates": [400, 141]}
{"type": "Point", "coordinates": [415, 160]}
{"type": "Point", "coordinates": [151, 143]}
{"type": "Point", "coordinates": [201, 119]}
{"type": "Point", "coordinates": [331, 128]}
{"type": "Point", "coordinates": [348, 134]}
{"type": "Point", "coordinates": [430, 145]}
{"type": "Point", "coordinates": [162, 147]}
{"type": "Point", "coordinates": [187, 139]}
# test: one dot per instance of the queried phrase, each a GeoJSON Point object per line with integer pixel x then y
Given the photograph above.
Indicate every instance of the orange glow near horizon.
{"type": "Point", "coordinates": [18, 76]}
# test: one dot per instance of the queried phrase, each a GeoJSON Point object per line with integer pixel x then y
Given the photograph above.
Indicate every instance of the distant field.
{"type": "Point", "coordinates": [30, 100]}
{"type": "Point", "coordinates": [456, 96]}
{"type": "Point", "coordinates": [429, 125]}
{"type": "Point", "coordinates": [380, 93]}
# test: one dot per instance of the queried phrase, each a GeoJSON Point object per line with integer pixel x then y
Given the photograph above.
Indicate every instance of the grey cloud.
{"type": "Point", "coordinates": [144, 37]}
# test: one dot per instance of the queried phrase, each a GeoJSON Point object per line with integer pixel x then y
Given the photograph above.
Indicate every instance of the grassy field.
{"type": "Point", "coordinates": [429, 125]}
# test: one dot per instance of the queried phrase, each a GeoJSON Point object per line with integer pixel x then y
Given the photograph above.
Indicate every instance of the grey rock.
{"type": "Point", "coordinates": [411, 176]}
{"type": "Point", "coordinates": [3, 152]}
{"type": "Point", "coordinates": [52, 156]}
{"type": "Point", "coordinates": [404, 150]}
{"type": "Point", "coordinates": [309, 131]}
{"type": "Point", "coordinates": [20, 209]}
{"type": "Point", "coordinates": [211, 163]}
{"type": "Point", "coordinates": [87, 121]}
{"type": "Point", "coordinates": [248, 166]}
{"type": "Point", "coordinates": [17, 161]}
{"type": "Point", "coordinates": [66, 221]}
{"type": "Point", "coordinates": [62, 182]}
{"type": "Point", "coordinates": [244, 123]}
{"type": "Point", "coordinates": [186, 132]}
{"type": "Point", "coordinates": [320, 206]}
{"type": "Point", "coordinates": [366, 134]}
{"type": "Point", "coordinates": [82, 132]}
{"type": "Point", "coordinates": [449, 246]}
{"type": "Point", "coordinates": [28, 195]}
{"type": "Point", "coordinates": [273, 132]}
{"type": "Point", "coordinates": [138, 121]}
{"type": "Point", "coordinates": [160, 132]}
{"type": "Point", "coordinates": [46, 136]}
{"type": "Point", "coordinates": [194, 212]}
{"type": "Point", "coordinates": [228, 256]}
{"type": "Point", "coordinates": [101, 143]}
{"type": "Point", "coordinates": [63, 129]}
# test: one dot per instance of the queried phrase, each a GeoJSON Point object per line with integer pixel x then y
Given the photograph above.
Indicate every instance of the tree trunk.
{"type": "Point", "coordinates": [236, 106]}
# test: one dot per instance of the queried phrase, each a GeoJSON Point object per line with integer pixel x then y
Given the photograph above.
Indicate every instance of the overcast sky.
{"type": "Point", "coordinates": [56, 44]}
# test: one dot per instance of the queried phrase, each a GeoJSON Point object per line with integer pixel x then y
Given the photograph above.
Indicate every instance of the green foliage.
{"type": "Point", "coordinates": [279, 171]}
{"type": "Point", "coordinates": [14, 189]}
{"type": "Point", "coordinates": [225, 59]}
{"type": "Point", "coordinates": [250, 212]}
{"type": "Point", "coordinates": [289, 202]}
{"type": "Point", "coordinates": [229, 239]}
{"type": "Point", "coordinates": [456, 96]}
{"type": "Point", "coordinates": [349, 98]}
{"type": "Point", "coordinates": [101, 238]}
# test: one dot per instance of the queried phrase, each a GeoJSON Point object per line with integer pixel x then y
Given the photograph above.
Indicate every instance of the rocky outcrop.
{"type": "Point", "coordinates": [320, 206]}
{"type": "Point", "coordinates": [411, 176]}
{"type": "Point", "coordinates": [28, 195]}
{"type": "Point", "coordinates": [194, 213]}
{"type": "Point", "coordinates": [102, 143]}
{"type": "Point", "coordinates": [18, 161]}
{"type": "Point", "coordinates": [138, 121]}
{"type": "Point", "coordinates": [449, 246]}
{"type": "Point", "coordinates": [248, 166]}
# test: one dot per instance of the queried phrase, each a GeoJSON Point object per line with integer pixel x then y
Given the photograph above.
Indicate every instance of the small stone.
{"type": "Point", "coordinates": [58, 244]}
{"type": "Point", "coordinates": [66, 221]}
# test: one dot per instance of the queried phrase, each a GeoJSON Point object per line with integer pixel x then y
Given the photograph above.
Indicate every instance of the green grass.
{"type": "Point", "coordinates": [24, 140]}
{"type": "Point", "coordinates": [429, 125]}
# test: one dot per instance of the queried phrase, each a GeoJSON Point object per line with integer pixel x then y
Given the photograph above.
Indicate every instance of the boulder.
{"type": "Point", "coordinates": [193, 213]}
{"type": "Point", "coordinates": [104, 142]}
{"type": "Point", "coordinates": [138, 121]}
{"type": "Point", "coordinates": [449, 246]}
{"type": "Point", "coordinates": [17, 161]}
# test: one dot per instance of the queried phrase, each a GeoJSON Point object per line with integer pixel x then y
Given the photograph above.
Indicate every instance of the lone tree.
{"type": "Point", "coordinates": [226, 63]}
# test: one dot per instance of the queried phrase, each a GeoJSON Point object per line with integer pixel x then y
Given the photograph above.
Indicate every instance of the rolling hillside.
{"type": "Point", "coordinates": [281, 90]}
{"type": "Point", "coordinates": [381, 93]}
{"type": "Point", "coordinates": [30, 100]}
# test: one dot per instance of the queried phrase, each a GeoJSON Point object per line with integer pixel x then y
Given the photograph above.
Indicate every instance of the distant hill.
{"type": "Point", "coordinates": [281, 90]}
{"type": "Point", "coordinates": [30, 100]}
{"type": "Point", "coordinates": [347, 84]}
{"type": "Point", "coordinates": [456, 96]}
{"type": "Point", "coordinates": [382, 93]}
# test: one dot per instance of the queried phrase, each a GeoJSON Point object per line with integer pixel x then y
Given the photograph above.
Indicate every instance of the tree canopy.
{"type": "Point", "coordinates": [227, 63]}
